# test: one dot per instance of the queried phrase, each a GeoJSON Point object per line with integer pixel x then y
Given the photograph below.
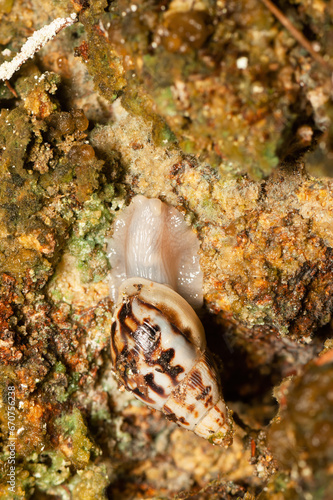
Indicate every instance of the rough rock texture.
{"type": "Point", "coordinates": [207, 105]}
{"type": "Point", "coordinates": [305, 424]}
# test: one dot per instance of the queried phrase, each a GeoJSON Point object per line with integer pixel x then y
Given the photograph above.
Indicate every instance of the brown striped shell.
{"type": "Point", "coordinates": [158, 349]}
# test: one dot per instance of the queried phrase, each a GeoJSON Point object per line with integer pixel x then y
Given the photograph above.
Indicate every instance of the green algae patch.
{"type": "Point", "coordinates": [73, 440]}
{"type": "Point", "coordinates": [108, 65]}
{"type": "Point", "coordinates": [15, 137]}
{"type": "Point", "coordinates": [21, 200]}
{"type": "Point", "coordinates": [37, 92]}
{"type": "Point", "coordinates": [87, 240]}
{"type": "Point", "coordinates": [90, 484]}
{"type": "Point", "coordinates": [138, 103]}
{"type": "Point", "coordinates": [103, 64]}
{"type": "Point", "coordinates": [43, 158]}
{"type": "Point", "coordinates": [50, 469]}
{"type": "Point", "coordinates": [24, 486]}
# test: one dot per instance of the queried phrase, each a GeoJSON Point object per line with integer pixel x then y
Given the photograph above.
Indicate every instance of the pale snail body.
{"type": "Point", "coordinates": [158, 344]}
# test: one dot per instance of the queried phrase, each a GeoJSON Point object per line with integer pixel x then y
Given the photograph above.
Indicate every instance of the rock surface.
{"type": "Point", "coordinates": [208, 106]}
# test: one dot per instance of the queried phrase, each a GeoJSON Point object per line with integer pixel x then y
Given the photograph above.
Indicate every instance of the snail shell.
{"type": "Point", "coordinates": [158, 349]}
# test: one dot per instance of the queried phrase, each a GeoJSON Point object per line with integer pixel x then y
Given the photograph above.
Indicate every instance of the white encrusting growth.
{"type": "Point", "coordinates": [34, 43]}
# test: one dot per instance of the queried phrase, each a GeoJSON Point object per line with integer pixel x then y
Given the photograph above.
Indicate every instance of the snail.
{"type": "Point", "coordinates": [158, 343]}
